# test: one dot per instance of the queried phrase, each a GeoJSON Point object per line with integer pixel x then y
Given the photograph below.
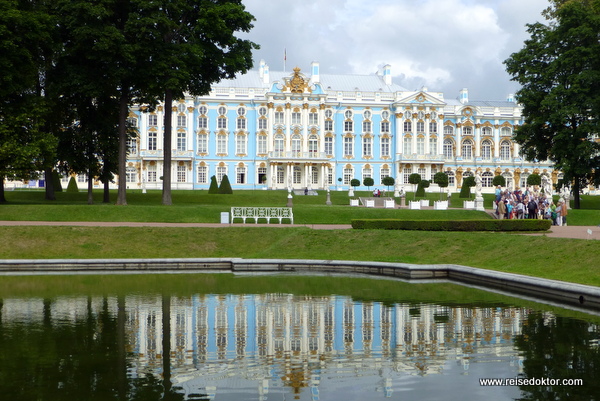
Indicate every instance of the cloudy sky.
{"type": "Point", "coordinates": [445, 45]}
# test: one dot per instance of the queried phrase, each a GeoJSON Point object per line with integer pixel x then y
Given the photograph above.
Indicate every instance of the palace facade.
{"type": "Point", "coordinates": [277, 130]}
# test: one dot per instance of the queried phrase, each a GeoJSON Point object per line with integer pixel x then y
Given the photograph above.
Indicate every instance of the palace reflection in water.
{"type": "Point", "coordinates": [269, 345]}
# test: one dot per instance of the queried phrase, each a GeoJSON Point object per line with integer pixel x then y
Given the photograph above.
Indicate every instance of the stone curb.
{"type": "Point", "coordinates": [575, 295]}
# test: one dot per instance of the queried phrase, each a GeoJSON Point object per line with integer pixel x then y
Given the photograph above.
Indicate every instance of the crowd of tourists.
{"type": "Point", "coordinates": [529, 204]}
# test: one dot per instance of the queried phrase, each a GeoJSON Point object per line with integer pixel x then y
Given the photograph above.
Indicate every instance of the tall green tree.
{"type": "Point", "coordinates": [559, 71]}
{"type": "Point", "coordinates": [193, 44]}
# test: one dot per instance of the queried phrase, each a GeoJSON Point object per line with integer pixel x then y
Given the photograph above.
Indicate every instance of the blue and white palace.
{"type": "Point", "coordinates": [298, 129]}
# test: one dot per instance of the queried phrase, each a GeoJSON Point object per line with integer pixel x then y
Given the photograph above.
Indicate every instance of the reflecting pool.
{"type": "Point", "coordinates": [301, 344]}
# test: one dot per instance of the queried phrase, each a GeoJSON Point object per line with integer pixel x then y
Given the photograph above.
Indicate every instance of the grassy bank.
{"type": "Point", "coordinates": [555, 258]}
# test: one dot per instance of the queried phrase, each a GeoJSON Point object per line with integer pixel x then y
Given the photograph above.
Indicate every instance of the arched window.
{"type": "Point", "coordinates": [448, 148]}
{"type": "Point", "coordinates": [486, 149]}
{"type": "Point", "coordinates": [278, 145]}
{"type": "Point", "coordinates": [467, 149]}
{"type": "Point", "coordinates": [421, 145]}
{"type": "Point", "coordinates": [296, 145]}
{"type": "Point", "coordinates": [505, 150]}
{"type": "Point", "coordinates": [486, 131]}
{"type": "Point", "coordinates": [467, 130]}
{"type": "Point", "coordinates": [451, 178]}
{"type": "Point", "coordinates": [433, 143]}
{"type": "Point", "coordinates": [313, 145]}
{"type": "Point", "coordinates": [448, 130]}
{"type": "Point", "coordinates": [486, 179]}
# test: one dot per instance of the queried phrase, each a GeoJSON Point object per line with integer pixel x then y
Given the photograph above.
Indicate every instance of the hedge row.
{"type": "Point", "coordinates": [456, 225]}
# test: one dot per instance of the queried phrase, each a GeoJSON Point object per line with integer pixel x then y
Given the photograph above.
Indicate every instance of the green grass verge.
{"type": "Point", "coordinates": [540, 256]}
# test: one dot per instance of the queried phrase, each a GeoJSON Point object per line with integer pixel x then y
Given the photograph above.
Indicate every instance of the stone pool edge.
{"type": "Point", "coordinates": [579, 295]}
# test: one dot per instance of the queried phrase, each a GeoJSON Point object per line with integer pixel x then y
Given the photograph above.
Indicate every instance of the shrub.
{"type": "Point", "coordinates": [454, 225]}
{"type": "Point", "coordinates": [465, 191]}
{"type": "Point", "coordinates": [225, 187]}
{"type": "Point", "coordinates": [421, 188]}
{"type": "Point", "coordinates": [72, 187]}
{"type": "Point", "coordinates": [441, 179]}
{"type": "Point", "coordinates": [214, 187]}
{"type": "Point", "coordinates": [368, 182]}
{"type": "Point", "coordinates": [388, 181]}
{"type": "Point", "coordinates": [534, 179]}
{"type": "Point", "coordinates": [499, 180]}
{"type": "Point", "coordinates": [354, 182]}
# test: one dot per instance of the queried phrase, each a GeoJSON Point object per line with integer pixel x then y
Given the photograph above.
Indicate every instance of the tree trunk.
{"type": "Point", "coordinates": [50, 195]}
{"type": "Point", "coordinates": [122, 179]}
{"type": "Point", "coordinates": [106, 196]}
{"type": "Point", "coordinates": [90, 189]}
{"type": "Point", "coordinates": [2, 198]}
{"type": "Point", "coordinates": [166, 192]}
{"type": "Point", "coordinates": [576, 191]}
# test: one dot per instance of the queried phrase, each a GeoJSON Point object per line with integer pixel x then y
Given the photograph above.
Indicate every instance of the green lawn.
{"type": "Point", "coordinates": [557, 258]}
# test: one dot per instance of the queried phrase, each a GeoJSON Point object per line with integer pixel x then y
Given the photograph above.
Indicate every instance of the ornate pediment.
{"type": "Point", "coordinates": [297, 83]}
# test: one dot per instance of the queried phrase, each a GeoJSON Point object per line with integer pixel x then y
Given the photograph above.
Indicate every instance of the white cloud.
{"type": "Point", "coordinates": [444, 44]}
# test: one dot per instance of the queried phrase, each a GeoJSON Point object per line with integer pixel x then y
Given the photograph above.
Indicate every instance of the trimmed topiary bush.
{"type": "Point", "coordinates": [72, 187]}
{"type": "Point", "coordinates": [368, 182]}
{"type": "Point", "coordinates": [388, 181]}
{"type": "Point", "coordinates": [354, 182]}
{"type": "Point", "coordinates": [441, 179]}
{"type": "Point", "coordinates": [421, 188]}
{"type": "Point", "coordinates": [225, 187]}
{"type": "Point", "coordinates": [499, 180]}
{"type": "Point", "coordinates": [214, 187]}
{"type": "Point", "coordinates": [534, 179]}
{"type": "Point", "coordinates": [465, 190]}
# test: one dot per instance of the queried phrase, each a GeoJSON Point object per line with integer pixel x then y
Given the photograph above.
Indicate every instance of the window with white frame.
{"type": "Point", "coordinates": [203, 142]}
{"type": "Point", "coordinates": [221, 144]}
{"type": "Point", "coordinates": [262, 144]}
{"type": "Point", "coordinates": [296, 117]}
{"type": "Point", "coordinates": [152, 140]}
{"type": "Point", "coordinates": [422, 172]}
{"type": "Point", "coordinates": [240, 175]}
{"type": "Point", "coordinates": [130, 174]}
{"type": "Point", "coordinates": [486, 131]}
{"type": "Point", "coordinates": [329, 145]}
{"type": "Point", "coordinates": [448, 148]}
{"type": "Point", "coordinates": [181, 142]}
{"type": "Point", "coordinates": [181, 173]}
{"type": "Point", "coordinates": [297, 175]}
{"type": "Point", "coordinates": [202, 175]}
{"type": "Point", "coordinates": [240, 145]}
{"type": "Point", "coordinates": [348, 146]}
{"type": "Point", "coordinates": [279, 144]}
{"type": "Point", "coordinates": [221, 172]}
{"type": "Point", "coordinates": [348, 126]}
{"type": "Point", "coordinates": [366, 173]}
{"type": "Point", "coordinates": [262, 123]}
{"type": "Point", "coordinates": [407, 126]}
{"type": "Point", "coordinates": [367, 126]}
{"type": "Point", "coordinates": [222, 110]}
{"type": "Point", "coordinates": [152, 120]}
{"type": "Point", "coordinates": [467, 130]}
{"type": "Point", "coordinates": [367, 146]}
{"type": "Point", "coordinates": [132, 146]}
{"type": "Point", "coordinates": [433, 144]}
{"type": "Point", "coordinates": [329, 176]}
{"type": "Point", "coordinates": [222, 122]}
{"type": "Point", "coordinates": [151, 173]}
{"type": "Point", "coordinates": [262, 175]}
{"type": "Point", "coordinates": [296, 145]}
{"type": "Point", "coordinates": [508, 178]}
{"type": "Point", "coordinates": [241, 123]}
{"type": "Point", "coordinates": [420, 145]}
{"type": "Point", "coordinates": [384, 172]}
{"type": "Point", "coordinates": [451, 178]}
{"type": "Point", "coordinates": [385, 146]}
{"type": "Point", "coordinates": [407, 145]}
{"type": "Point", "coordinates": [348, 175]}
{"type": "Point", "coordinates": [328, 125]}
{"type": "Point", "coordinates": [448, 130]}
{"type": "Point", "coordinates": [202, 122]}
{"type": "Point", "coordinates": [313, 118]}
{"type": "Point", "coordinates": [467, 149]}
{"type": "Point", "coordinates": [181, 120]}
{"type": "Point", "coordinates": [486, 149]}
{"type": "Point", "coordinates": [505, 131]}
{"type": "Point", "coordinates": [505, 150]}
{"type": "Point", "coordinates": [385, 127]}
{"type": "Point", "coordinates": [313, 145]}
{"type": "Point", "coordinates": [279, 117]}
{"type": "Point", "coordinates": [262, 111]}
{"type": "Point", "coordinates": [280, 175]}
{"type": "Point", "coordinates": [433, 173]}
{"type": "Point", "coordinates": [523, 182]}
{"type": "Point", "coordinates": [433, 127]}
{"type": "Point", "coordinates": [420, 127]}
{"type": "Point", "coordinates": [486, 179]}
{"type": "Point", "coordinates": [202, 110]}
{"type": "Point", "coordinates": [314, 175]}
{"type": "Point", "coordinates": [405, 174]}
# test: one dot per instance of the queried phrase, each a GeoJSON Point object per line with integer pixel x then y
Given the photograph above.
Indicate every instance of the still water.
{"type": "Point", "coordinates": [186, 345]}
